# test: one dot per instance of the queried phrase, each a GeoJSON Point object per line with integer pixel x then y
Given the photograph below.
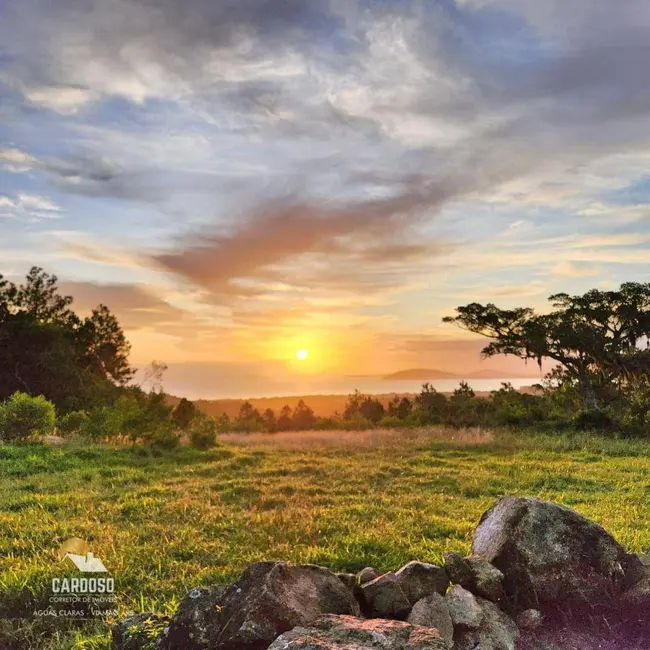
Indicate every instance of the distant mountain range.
{"type": "Point", "coordinates": [434, 373]}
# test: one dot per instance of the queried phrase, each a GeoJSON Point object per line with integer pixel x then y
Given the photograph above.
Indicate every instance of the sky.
{"type": "Point", "coordinates": [243, 179]}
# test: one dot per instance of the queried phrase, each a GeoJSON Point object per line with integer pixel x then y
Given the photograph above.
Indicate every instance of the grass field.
{"type": "Point", "coordinates": [164, 524]}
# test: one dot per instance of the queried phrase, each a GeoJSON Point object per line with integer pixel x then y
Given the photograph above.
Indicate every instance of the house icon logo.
{"type": "Point", "coordinates": [76, 550]}
{"type": "Point", "coordinates": [87, 563]}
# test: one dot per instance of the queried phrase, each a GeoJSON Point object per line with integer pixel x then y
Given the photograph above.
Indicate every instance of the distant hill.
{"type": "Point", "coordinates": [421, 373]}
{"type": "Point", "coordinates": [433, 373]}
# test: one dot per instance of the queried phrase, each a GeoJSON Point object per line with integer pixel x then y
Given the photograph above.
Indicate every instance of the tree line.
{"type": "Point", "coordinates": [59, 370]}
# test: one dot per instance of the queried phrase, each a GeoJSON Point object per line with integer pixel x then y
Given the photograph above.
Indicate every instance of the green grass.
{"type": "Point", "coordinates": [165, 523]}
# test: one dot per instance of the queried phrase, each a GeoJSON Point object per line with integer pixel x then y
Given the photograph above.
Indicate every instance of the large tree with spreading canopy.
{"type": "Point", "coordinates": [600, 338]}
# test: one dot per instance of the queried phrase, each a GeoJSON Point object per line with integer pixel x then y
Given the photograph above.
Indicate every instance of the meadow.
{"type": "Point", "coordinates": [165, 522]}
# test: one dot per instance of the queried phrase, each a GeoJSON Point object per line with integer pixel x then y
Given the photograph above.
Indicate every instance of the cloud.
{"type": "Point", "coordinates": [28, 206]}
{"type": "Point", "coordinates": [325, 244]}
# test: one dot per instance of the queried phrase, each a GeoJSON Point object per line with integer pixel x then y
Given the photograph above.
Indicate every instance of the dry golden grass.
{"type": "Point", "coordinates": [372, 439]}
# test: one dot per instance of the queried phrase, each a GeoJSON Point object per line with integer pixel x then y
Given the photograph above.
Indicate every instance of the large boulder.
{"type": "Point", "coordinates": [350, 633]}
{"type": "Point", "coordinates": [270, 598]}
{"type": "Point", "coordinates": [433, 611]}
{"type": "Point", "coordinates": [551, 556]}
{"type": "Point", "coordinates": [475, 574]}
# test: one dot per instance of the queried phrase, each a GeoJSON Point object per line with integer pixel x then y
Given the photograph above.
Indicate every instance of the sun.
{"type": "Point", "coordinates": [302, 354]}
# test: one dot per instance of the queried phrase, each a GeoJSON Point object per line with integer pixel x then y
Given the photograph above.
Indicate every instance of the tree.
{"type": "Point", "coordinates": [270, 422]}
{"type": "Point", "coordinates": [433, 403]}
{"type": "Point", "coordinates": [45, 348]}
{"type": "Point", "coordinates": [184, 413]}
{"type": "Point", "coordinates": [599, 338]}
{"type": "Point", "coordinates": [371, 409]}
{"type": "Point", "coordinates": [249, 418]}
{"type": "Point", "coordinates": [284, 419]}
{"type": "Point", "coordinates": [400, 407]}
{"type": "Point", "coordinates": [303, 417]}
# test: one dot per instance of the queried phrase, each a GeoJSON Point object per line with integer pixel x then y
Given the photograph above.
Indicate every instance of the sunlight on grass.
{"type": "Point", "coordinates": [168, 522]}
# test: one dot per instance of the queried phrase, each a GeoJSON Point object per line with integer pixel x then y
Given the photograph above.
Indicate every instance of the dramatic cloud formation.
{"type": "Point", "coordinates": [272, 168]}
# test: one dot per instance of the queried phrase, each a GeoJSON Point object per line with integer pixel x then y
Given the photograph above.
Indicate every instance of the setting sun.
{"type": "Point", "coordinates": [302, 354]}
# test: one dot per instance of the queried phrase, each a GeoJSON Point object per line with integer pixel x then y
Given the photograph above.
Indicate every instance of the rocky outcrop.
{"type": "Point", "coordinates": [349, 633]}
{"type": "Point", "coordinates": [270, 598]}
{"type": "Point", "coordinates": [541, 577]}
{"type": "Point", "coordinates": [551, 556]}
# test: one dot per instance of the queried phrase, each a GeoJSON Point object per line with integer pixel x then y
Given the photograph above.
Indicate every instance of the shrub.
{"type": "Point", "coordinates": [165, 437]}
{"type": "Point", "coordinates": [23, 416]}
{"type": "Point", "coordinates": [203, 433]}
{"type": "Point", "coordinates": [391, 422]}
{"type": "Point", "coordinates": [357, 423]}
{"type": "Point", "coordinates": [71, 423]}
{"type": "Point", "coordinates": [101, 423]}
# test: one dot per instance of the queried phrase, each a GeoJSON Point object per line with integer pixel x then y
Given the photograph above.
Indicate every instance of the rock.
{"type": "Point", "coordinates": [458, 570]}
{"type": "Point", "coordinates": [367, 575]}
{"type": "Point", "coordinates": [350, 633]}
{"type": "Point", "coordinates": [635, 602]}
{"type": "Point", "coordinates": [463, 607]}
{"type": "Point", "coordinates": [138, 632]}
{"type": "Point", "coordinates": [497, 631]}
{"type": "Point", "coordinates": [551, 556]}
{"type": "Point", "coordinates": [475, 574]}
{"type": "Point", "coordinates": [348, 579]}
{"type": "Point", "coordinates": [419, 580]}
{"type": "Point", "coordinates": [530, 619]}
{"type": "Point", "coordinates": [383, 597]}
{"type": "Point", "coordinates": [192, 626]}
{"type": "Point", "coordinates": [432, 611]}
{"type": "Point", "coordinates": [270, 598]}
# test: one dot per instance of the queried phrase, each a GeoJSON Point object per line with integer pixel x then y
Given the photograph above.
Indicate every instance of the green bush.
{"type": "Point", "coordinates": [165, 437]}
{"type": "Point", "coordinates": [391, 422]}
{"type": "Point", "coordinates": [357, 422]}
{"type": "Point", "coordinates": [23, 416]}
{"type": "Point", "coordinates": [102, 423]}
{"type": "Point", "coordinates": [203, 432]}
{"type": "Point", "coordinates": [71, 423]}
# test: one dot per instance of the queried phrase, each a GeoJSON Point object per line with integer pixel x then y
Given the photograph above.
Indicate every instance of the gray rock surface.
{"type": "Point", "coordinates": [529, 619]}
{"type": "Point", "coordinates": [420, 579]}
{"type": "Point", "coordinates": [270, 598]}
{"type": "Point", "coordinates": [383, 597]}
{"type": "Point", "coordinates": [551, 556]}
{"type": "Point", "coordinates": [193, 624]}
{"type": "Point", "coordinates": [475, 574]}
{"type": "Point", "coordinates": [496, 631]}
{"type": "Point", "coordinates": [433, 611]}
{"type": "Point", "coordinates": [349, 633]}
{"type": "Point", "coordinates": [367, 575]}
{"type": "Point", "coordinates": [463, 608]}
